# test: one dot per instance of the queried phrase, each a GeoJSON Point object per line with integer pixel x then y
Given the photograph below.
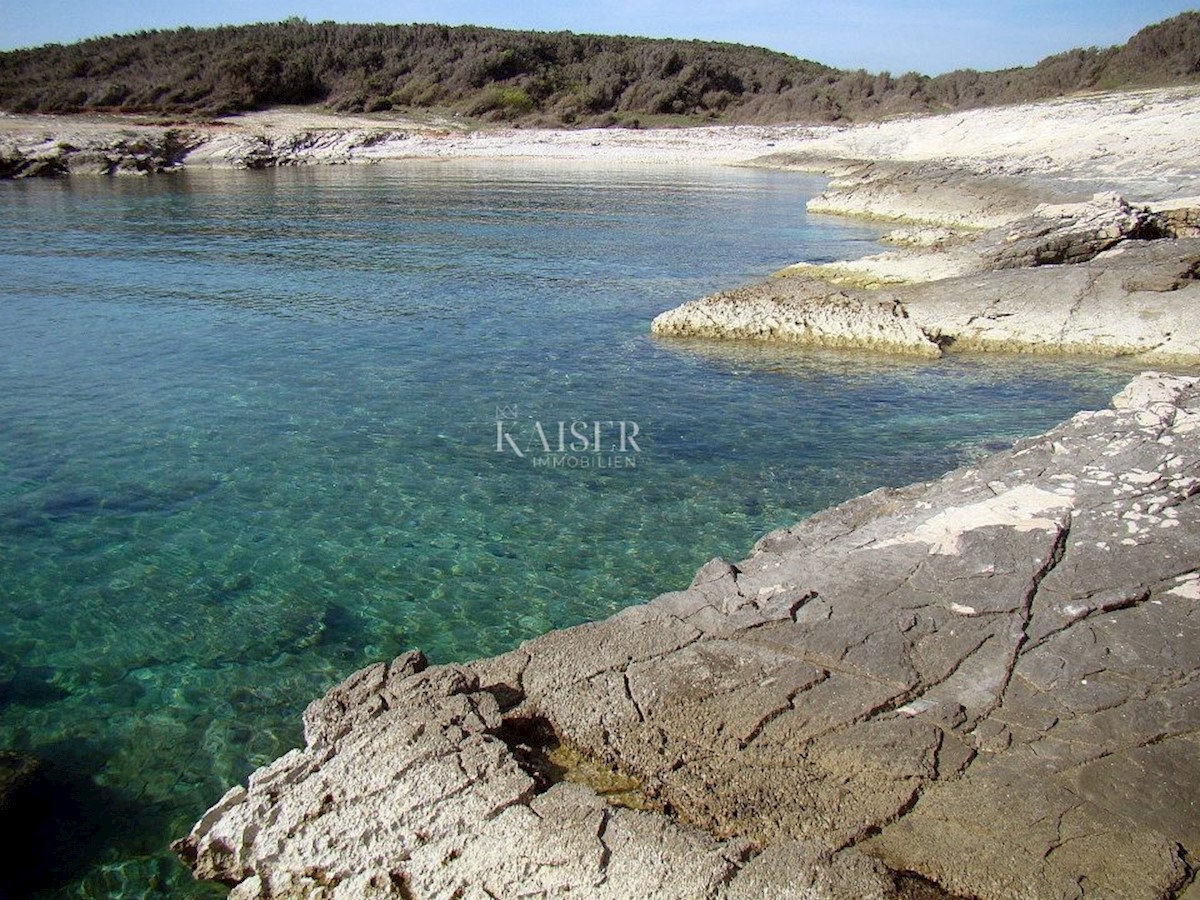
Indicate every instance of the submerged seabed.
{"type": "Point", "coordinates": [258, 430]}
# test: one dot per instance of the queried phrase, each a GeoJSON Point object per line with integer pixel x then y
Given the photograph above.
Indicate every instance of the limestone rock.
{"type": "Point", "coordinates": [1053, 234]}
{"type": "Point", "coordinates": [90, 162]}
{"type": "Point", "coordinates": [421, 796]}
{"type": "Point", "coordinates": [932, 193]}
{"type": "Point", "coordinates": [799, 311]}
{"type": "Point", "coordinates": [305, 147]}
{"type": "Point", "coordinates": [1062, 234]}
{"type": "Point", "coordinates": [122, 151]}
{"type": "Point", "coordinates": [989, 680]}
{"type": "Point", "coordinates": [1135, 298]}
{"type": "Point", "coordinates": [1141, 298]}
{"type": "Point", "coordinates": [1179, 217]}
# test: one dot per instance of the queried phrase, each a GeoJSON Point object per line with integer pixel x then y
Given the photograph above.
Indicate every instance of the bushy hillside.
{"type": "Point", "coordinates": [551, 78]}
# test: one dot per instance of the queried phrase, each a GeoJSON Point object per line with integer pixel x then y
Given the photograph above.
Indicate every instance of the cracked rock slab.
{"type": "Point", "coordinates": [991, 680]}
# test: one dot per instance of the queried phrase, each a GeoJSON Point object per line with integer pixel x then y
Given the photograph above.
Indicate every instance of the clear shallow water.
{"type": "Point", "coordinates": [248, 444]}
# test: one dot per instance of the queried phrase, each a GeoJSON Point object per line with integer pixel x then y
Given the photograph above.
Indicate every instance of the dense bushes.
{"type": "Point", "coordinates": [547, 77]}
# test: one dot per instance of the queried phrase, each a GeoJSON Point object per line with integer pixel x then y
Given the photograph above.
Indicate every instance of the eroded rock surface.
{"type": "Point", "coordinates": [796, 310]}
{"type": "Point", "coordinates": [1052, 234]}
{"type": "Point", "coordinates": [1067, 233]}
{"type": "Point", "coordinates": [1099, 277]}
{"type": "Point", "coordinates": [1141, 298]}
{"type": "Point", "coordinates": [989, 680]}
{"type": "Point", "coordinates": [932, 193]}
{"type": "Point", "coordinates": [127, 151]}
{"type": "Point", "coordinates": [1181, 216]}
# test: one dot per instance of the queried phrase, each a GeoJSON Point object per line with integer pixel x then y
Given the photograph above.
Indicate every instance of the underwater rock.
{"type": "Point", "coordinates": [17, 772]}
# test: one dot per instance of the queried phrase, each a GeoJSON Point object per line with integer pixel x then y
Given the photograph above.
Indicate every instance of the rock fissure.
{"type": "Point", "coordinates": [876, 828]}
{"type": "Point", "coordinates": [1072, 313]}
{"type": "Point", "coordinates": [1181, 890]}
{"type": "Point", "coordinates": [1126, 750]}
{"type": "Point", "coordinates": [1058, 840]}
{"type": "Point", "coordinates": [1115, 605]}
{"type": "Point", "coordinates": [824, 663]}
{"type": "Point", "coordinates": [906, 581]}
{"type": "Point", "coordinates": [771, 715]}
{"type": "Point", "coordinates": [605, 850]}
{"type": "Point", "coordinates": [918, 692]}
{"type": "Point", "coordinates": [1058, 553]}
{"type": "Point", "coordinates": [799, 603]}
{"type": "Point", "coordinates": [641, 717]}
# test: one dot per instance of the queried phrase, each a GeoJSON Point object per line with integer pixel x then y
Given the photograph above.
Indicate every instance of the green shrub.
{"type": "Point", "coordinates": [509, 102]}
{"type": "Point", "coordinates": [524, 75]}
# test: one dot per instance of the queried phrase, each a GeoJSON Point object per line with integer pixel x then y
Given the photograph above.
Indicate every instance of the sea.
{"type": "Point", "coordinates": [261, 429]}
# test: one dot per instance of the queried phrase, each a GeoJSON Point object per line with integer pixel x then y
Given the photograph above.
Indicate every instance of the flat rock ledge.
{"type": "Point", "coordinates": [1097, 277]}
{"type": "Point", "coordinates": [925, 192]}
{"type": "Point", "coordinates": [990, 682]}
{"type": "Point", "coordinates": [800, 311]}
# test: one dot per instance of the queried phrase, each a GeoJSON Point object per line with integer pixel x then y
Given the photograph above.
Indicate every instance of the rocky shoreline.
{"type": "Point", "coordinates": [54, 146]}
{"type": "Point", "coordinates": [988, 681]}
{"type": "Point", "coordinates": [1016, 234]}
{"type": "Point", "coordinates": [1073, 191]}
{"type": "Point", "coordinates": [984, 686]}
{"type": "Point", "coordinates": [1098, 277]}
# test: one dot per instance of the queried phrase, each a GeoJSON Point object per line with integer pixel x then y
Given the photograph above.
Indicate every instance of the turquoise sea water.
{"type": "Point", "coordinates": [249, 444]}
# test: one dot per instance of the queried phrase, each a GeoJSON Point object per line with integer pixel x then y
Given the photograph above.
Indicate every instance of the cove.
{"type": "Point", "coordinates": [248, 445]}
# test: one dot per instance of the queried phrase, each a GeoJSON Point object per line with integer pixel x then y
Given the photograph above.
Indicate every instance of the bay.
{"type": "Point", "coordinates": [260, 429]}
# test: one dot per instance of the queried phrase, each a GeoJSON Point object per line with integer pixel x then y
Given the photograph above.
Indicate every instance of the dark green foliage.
{"type": "Point", "coordinates": [546, 77]}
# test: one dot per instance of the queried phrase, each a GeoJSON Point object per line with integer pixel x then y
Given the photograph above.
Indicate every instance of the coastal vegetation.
{"type": "Point", "coordinates": [537, 78]}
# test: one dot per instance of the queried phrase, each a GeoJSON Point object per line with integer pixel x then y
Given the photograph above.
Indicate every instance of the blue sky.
{"type": "Point", "coordinates": [928, 36]}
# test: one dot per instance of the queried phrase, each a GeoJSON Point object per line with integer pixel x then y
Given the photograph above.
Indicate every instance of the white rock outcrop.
{"type": "Point", "coordinates": [788, 311]}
